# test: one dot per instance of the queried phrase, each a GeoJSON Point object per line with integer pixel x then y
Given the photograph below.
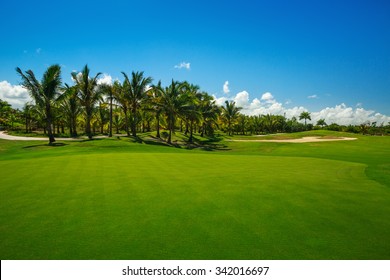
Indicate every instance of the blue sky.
{"type": "Point", "coordinates": [308, 55]}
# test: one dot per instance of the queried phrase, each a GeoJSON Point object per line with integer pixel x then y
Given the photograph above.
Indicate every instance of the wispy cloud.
{"type": "Point", "coordinates": [38, 50]}
{"type": "Point", "coordinates": [183, 64]}
{"type": "Point", "coordinates": [226, 89]}
{"type": "Point", "coordinates": [314, 96]}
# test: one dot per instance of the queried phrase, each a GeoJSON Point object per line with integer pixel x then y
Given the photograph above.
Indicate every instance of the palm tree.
{"type": "Point", "coordinates": [305, 116]}
{"type": "Point", "coordinates": [321, 122]}
{"type": "Point", "coordinates": [71, 107]}
{"type": "Point", "coordinates": [172, 103]}
{"type": "Point", "coordinates": [120, 97]}
{"type": "Point", "coordinates": [230, 112]}
{"type": "Point", "coordinates": [210, 112]}
{"type": "Point", "coordinates": [88, 94]}
{"type": "Point", "coordinates": [27, 113]}
{"type": "Point", "coordinates": [135, 92]}
{"type": "Point", "coordinates": [117, 119]}
{"type": "Point", "coordinates": [110, 91]}
{"type": "Point", "coordinates": [156, 103]}
{"type": "Point", "coordinates": [44, 93]}
{"type": "Point", "coordinates": [191, 109]}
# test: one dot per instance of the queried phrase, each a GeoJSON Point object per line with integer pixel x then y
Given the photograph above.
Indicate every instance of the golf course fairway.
{"type": "Point", "coordinates": [120, 199]}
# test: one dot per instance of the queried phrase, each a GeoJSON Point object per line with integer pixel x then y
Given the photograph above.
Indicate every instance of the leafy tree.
{"type": "Point", "coordinates": [88, 93]}
{"type": "Point", "coordinates": [321, 122]}
{"type": "Point", "coordinates": [110, 92]}
{"type": "Point", "coordinates": [230, 112]}
{"type": "Point", "coordinates": [44, 93]}
{"type": "Point", "coordinates": [5, 109]}
{"type": "Point", "coordinates": [70, 106]}
{"type": "Point", "coordinates": [120, 97]}
{"type": "Point", "coordinates": [210, 112]}
{"type": "Point", "coordinates": [135, 93]}
{"type": "Point", "coordinates": [155, 100]}
{"type": "Point", "coordinates": [305, 116]}
{"type": "Point", "coordinates": [172, 103]}
{"type": "Point", "coordinates": [191, 108]}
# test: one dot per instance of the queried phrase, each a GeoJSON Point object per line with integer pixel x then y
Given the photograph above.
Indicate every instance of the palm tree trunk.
{"type": "Point", "coordinates": [49, 126]}
{"type": "Point", "coordinates": [126, 121]}
{"type": "Point", "coordinates": [88, 127]}
{"type": "Point", "coordinates": [110, 128]}
{"type": "Point", "coordinates": [170, 131]}
{"type": "Point", "coordinates": [158, 125]}
{"type": "Point", "coordinates": [191, 131]}
{"type": "Point", "coordinates": [134, 123]}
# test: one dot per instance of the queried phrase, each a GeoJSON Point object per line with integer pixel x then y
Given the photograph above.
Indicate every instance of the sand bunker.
{"type": "Point", "coordinates": [302, 140]}
{"type": "Point", "coordinates": [5, 136]}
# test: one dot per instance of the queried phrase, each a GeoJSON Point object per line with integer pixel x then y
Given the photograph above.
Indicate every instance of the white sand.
{"type": "Point", "coordinates": [302, 140]}
{"type": "Point", "coordinates": [5, 136]}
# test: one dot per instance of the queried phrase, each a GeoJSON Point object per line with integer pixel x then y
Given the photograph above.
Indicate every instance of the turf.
{"type": "Point", "coordinates": [119, 199]}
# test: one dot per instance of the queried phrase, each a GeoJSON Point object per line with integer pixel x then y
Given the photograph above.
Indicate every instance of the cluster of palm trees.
{"type": "Point", "coordinates": [136, 105]}
{"type": "Point", "coordinates": [131, 105]}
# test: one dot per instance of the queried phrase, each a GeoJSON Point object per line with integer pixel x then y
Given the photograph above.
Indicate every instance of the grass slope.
{"type": "Point", "coordinates": [115, 199]}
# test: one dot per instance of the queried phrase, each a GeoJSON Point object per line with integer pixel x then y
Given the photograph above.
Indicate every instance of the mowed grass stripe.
{"type": "Point", "coordinates": [191, 206]}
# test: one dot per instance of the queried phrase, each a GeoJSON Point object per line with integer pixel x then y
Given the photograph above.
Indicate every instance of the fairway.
{"type": "Point", "coordinates": [115, 199]}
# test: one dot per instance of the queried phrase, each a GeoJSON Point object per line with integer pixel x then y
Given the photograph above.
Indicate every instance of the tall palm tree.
{"type": "Point", "coordinates": [111, 91]}
{"type": "Point", "coordinates": [210, 112]}
{"type": "Point", "coordinates": [191, 109]}
{"type": "Point", "coordinates": [156, 103]}
{"type": "Point", "coordinates": [172, 102]}
{"type": "Point", "coordinates": [135, 91]}
{"type": "Point", "coordinates": [71, 107]}
{"type": "Point", "coordinates": [230, 112]}
{"type": "Point", "coordinates": [88, 93]}
{"type": "Point", "coordinates": [120, 97]}
{"type": "Point", "coordinates": [305, 116]}
{"type": "Point", "coordinates": [27, 113]}
{"type": "Point", "coordinates": [44, 93]}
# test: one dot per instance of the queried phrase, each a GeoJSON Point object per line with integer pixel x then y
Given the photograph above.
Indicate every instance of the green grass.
{"type": "Point", "coordinates": [120, 199]}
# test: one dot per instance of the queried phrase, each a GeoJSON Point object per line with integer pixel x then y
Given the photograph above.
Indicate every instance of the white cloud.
{"type": "Point", "coordinates": [242, 99]}
{"type": "Point", "coordinates": [17, 96]}
{"type": "Point", "coordinates": [220, 101]}
{"type": "Point", "coordinates": [105, 79]}
{"type": "Point", "coordinates": [267, 97]}
{"type": "Point", "coordinates": [344, 115]}
{"type": "Point", "coordinates": [183, 64]}
{"type": "Point", "coordinates": [226, 89]}
{"type": "Point", "coordinates": [314, 96]}
{"type": "Point", "coordinates": [340, 114]}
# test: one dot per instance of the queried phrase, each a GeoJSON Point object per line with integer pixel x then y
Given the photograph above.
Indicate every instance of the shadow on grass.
{"type": "Point", "coordinates": [46, 145]}
{"type": "Point", "coordinates": [211, 144]}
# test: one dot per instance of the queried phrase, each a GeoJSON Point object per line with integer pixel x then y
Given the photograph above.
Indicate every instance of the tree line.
{"type": "Point", "coordinates": [137, 105]}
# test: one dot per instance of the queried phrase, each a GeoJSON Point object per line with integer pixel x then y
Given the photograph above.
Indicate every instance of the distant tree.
{"type": "Point", "coordinates": [155, 100]}
{"type": "Point", "coordinates": [88, 93]}
{"type": "Point", "coordinates": [71, 108]}
{"type": "Point", "coordinates": [172, 103]}
{"type": "Point", "coordinates": [305, 116]}
{"type": "Point", "coordinates": [5, 109]}
{"type": "Point", "coordinates": [209, 112]}
{"type": "Point", "coordinates": [321, 122]}
{"type": "Point", "coordinates": [44, 93]}
{"type": "Point", "coordinates": [135, 92]}
{"type": "Point", "coordinates": [230, 112]}
{"type": "Point", "coordinates": [109, 91]}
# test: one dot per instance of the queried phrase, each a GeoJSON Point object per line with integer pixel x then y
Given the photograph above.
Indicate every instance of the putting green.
{"type": "Point", "coordinates": [174, 204]}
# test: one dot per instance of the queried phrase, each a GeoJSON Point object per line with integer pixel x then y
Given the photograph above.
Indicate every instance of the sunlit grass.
{"type": "Point", "coordinates": [126, 198]}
